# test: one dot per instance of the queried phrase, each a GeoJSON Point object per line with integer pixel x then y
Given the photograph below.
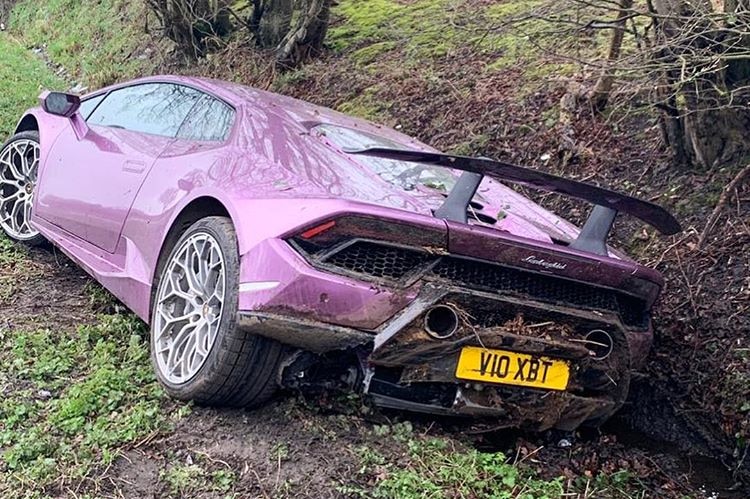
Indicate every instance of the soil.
{"type": "Point", "coordinates": [304, 445]}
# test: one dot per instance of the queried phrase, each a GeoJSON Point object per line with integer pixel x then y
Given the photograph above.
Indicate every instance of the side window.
{"type": "Point", "coordinates": [88, 105]}
{"type": "Point", "coordinates": [155, 108]}
{"type": "Point", "coordinates": [210, 119]}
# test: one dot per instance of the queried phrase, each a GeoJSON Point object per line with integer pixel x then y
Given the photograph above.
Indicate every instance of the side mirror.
{"type": "Point", "coordinates": [60, 103]}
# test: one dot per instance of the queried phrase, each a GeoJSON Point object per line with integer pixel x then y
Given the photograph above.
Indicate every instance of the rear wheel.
{"type": "Point", "coordinates": [19, 164]}
{"type": "Point", "coordinates": [197, 350]}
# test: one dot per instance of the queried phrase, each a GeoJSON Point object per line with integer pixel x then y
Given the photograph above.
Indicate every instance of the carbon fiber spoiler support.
{"type": "Point", "coordinates": [593, 235]}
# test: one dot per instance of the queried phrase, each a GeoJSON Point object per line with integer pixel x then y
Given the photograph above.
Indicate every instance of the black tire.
{"type": "Point", "coordinates": [35, 239]}
{"type": "Point", "coordinates": [241, 369]}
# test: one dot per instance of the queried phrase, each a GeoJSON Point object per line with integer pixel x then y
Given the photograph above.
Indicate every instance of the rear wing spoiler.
{"type": "Point", "coordinates": [593, 234]}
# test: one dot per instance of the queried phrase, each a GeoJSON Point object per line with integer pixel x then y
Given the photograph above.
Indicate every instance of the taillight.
{"type": "Point", "coordinates": [310, 233]}
{"type": "Point", "coordinates": [324, 235]}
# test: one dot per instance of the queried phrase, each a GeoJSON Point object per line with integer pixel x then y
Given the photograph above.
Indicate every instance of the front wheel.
{"type": "Point", "coordinates": [197, 350]}
{"type": "Point", "coordinates": [19, 163]}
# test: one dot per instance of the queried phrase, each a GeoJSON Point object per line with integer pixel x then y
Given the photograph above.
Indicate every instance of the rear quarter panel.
{"type": "Point", "coordinates": [184, 173]}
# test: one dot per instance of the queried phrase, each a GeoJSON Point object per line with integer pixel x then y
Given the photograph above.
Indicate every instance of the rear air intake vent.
{"type": "Point", "coordinates": [379, 260]}
{"type": "Point", "coordinates": [480, 217]}
{"type": "Point", "coordinates": [491, 277]}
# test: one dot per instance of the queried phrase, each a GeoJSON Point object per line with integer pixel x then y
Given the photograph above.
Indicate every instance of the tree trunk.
{"type": "Point", "coordinates": [710, 125]}
{"type": "Point", "coordinates": [305, 39]}
{"type": "Point", "coordinates": [600, 94]}
{"type": "Point", "coordinates": [293, 30]}
{"type": "Point", "coordinates": [717, 136]}
{"type": "Point", "coordinates": [273, 19]}
{"type": "Point", "coordinates": [189, 23]}
{"type": "Point", "coordinates": [5, 7]}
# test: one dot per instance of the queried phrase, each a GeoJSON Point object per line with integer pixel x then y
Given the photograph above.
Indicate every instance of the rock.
{"type": "Point", "coordinates": [564, 443]}
{"type": "Point", "coordinates": [79, 89]}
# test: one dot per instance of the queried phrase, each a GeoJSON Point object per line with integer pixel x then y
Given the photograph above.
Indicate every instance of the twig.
{"type": "Point", "coordinates": [725, 196]}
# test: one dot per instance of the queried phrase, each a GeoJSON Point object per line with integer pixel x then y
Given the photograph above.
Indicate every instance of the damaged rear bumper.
{"type": "Point", "coordinates": [363, 287]}
{"type": "Point", "coordinates": [405, 368]}
{"type": "Point", "coordinates": [513, 408]}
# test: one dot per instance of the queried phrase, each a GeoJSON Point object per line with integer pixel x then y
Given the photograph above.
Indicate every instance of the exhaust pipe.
{"type": "Point", "coordinates": [441, 322]}
{"type": "Point", "coordinates": [600, 343]}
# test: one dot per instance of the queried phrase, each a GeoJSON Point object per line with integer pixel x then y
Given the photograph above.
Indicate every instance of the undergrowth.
{"type": "Point", "coordinates": [437, 468]}
{"type": "Point", "coordinates": [440, 468]}
{"type": "Point", "coordinates": [73, 398]}
{"type": "Point", "coordinates": [98, 42]}
{"type": "Point", "coordinates": [72, 401]}
{"type": "Point", "coordinates": [23, 77]}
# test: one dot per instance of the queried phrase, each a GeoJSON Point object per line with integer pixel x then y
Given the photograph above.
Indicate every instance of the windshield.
{"type": "Point", "coordinates": [402, 174]}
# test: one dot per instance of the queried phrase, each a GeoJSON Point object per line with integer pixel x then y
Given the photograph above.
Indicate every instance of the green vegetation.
{"type": "Point", "coordinates": [74, 397]}
{"type": "Point", "coordinates": [23, 77]}
{"type": "Point", "coordinates": [419, 27]}
{"type": "Point", "coordinates": [420, 30]}
{"type": "Point", "coordinates": [431, 29]}
{"type": "Point", "coordinates": [98, 42]}
{"type": "Point", "coordinates": [439, 468]}
{"type": "Point", "coordinates": [190, 480]}
{"type": "Point", "coordinates": [73, 400]}
{"type": "Point", "coordinates": [11, 276]}
{"type": "Point", "coordinates": [365, 106]}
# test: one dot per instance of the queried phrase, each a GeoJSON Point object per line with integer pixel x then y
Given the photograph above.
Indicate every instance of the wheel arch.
{"type": "Point", "coordinates": [48, 126]}
{"type": "Point", "coordinates": [27, 124]}
{"type": "Point", "coordinates": [196, 209]}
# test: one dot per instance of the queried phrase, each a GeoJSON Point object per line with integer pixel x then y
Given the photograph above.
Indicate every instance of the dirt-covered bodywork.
{"type": "Point", "coordinates": [451, 292]}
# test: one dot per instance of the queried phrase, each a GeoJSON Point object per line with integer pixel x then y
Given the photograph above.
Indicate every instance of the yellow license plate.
{"type": "Point", "coordinates": [511, 368]}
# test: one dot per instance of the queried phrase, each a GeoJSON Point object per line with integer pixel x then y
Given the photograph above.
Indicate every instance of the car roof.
{"type": "Point", "coordinates": [233, 93]}
{"type": "Point", "coordinates": [302, 112]}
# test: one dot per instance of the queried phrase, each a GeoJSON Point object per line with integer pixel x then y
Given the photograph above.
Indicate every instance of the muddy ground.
{"type": "Point", "coordinates": [305, 444]}
{"type": "Point", "coordinates": [695, 388]}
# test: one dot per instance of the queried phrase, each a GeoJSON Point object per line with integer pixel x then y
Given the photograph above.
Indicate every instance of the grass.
{"type": "Point", "coordinates": [376, 26]}
{"type": "Point", "coordinates": [23, 77]}
{"type": "Point", "coordinates": [435, 468]}
{"type": "Point", "coordinates": [98, 42]}
{"type": "Point", "coordinates": [72, 401]}
{"type": "Point", "coordinates": [438, 468]}
{"type": "Point", "coordinates": [189, 480]}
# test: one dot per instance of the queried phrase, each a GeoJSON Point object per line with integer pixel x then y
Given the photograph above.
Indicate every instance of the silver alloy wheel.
{"type": "Point", "coordinates": [19, 162]}
{"type": "Point", "coordinates": [189, 306]}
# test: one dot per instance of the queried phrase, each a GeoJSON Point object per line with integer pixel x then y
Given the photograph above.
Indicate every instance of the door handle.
{"type": "Point", "coordinates": [133, 166]}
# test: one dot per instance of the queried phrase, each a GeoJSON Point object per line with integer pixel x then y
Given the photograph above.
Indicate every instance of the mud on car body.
{"type": "Point", "coordinates": [271, 242]}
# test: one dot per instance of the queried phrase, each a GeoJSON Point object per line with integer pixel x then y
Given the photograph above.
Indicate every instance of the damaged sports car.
{"type": "Point", "coordinates": [269, 242]}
